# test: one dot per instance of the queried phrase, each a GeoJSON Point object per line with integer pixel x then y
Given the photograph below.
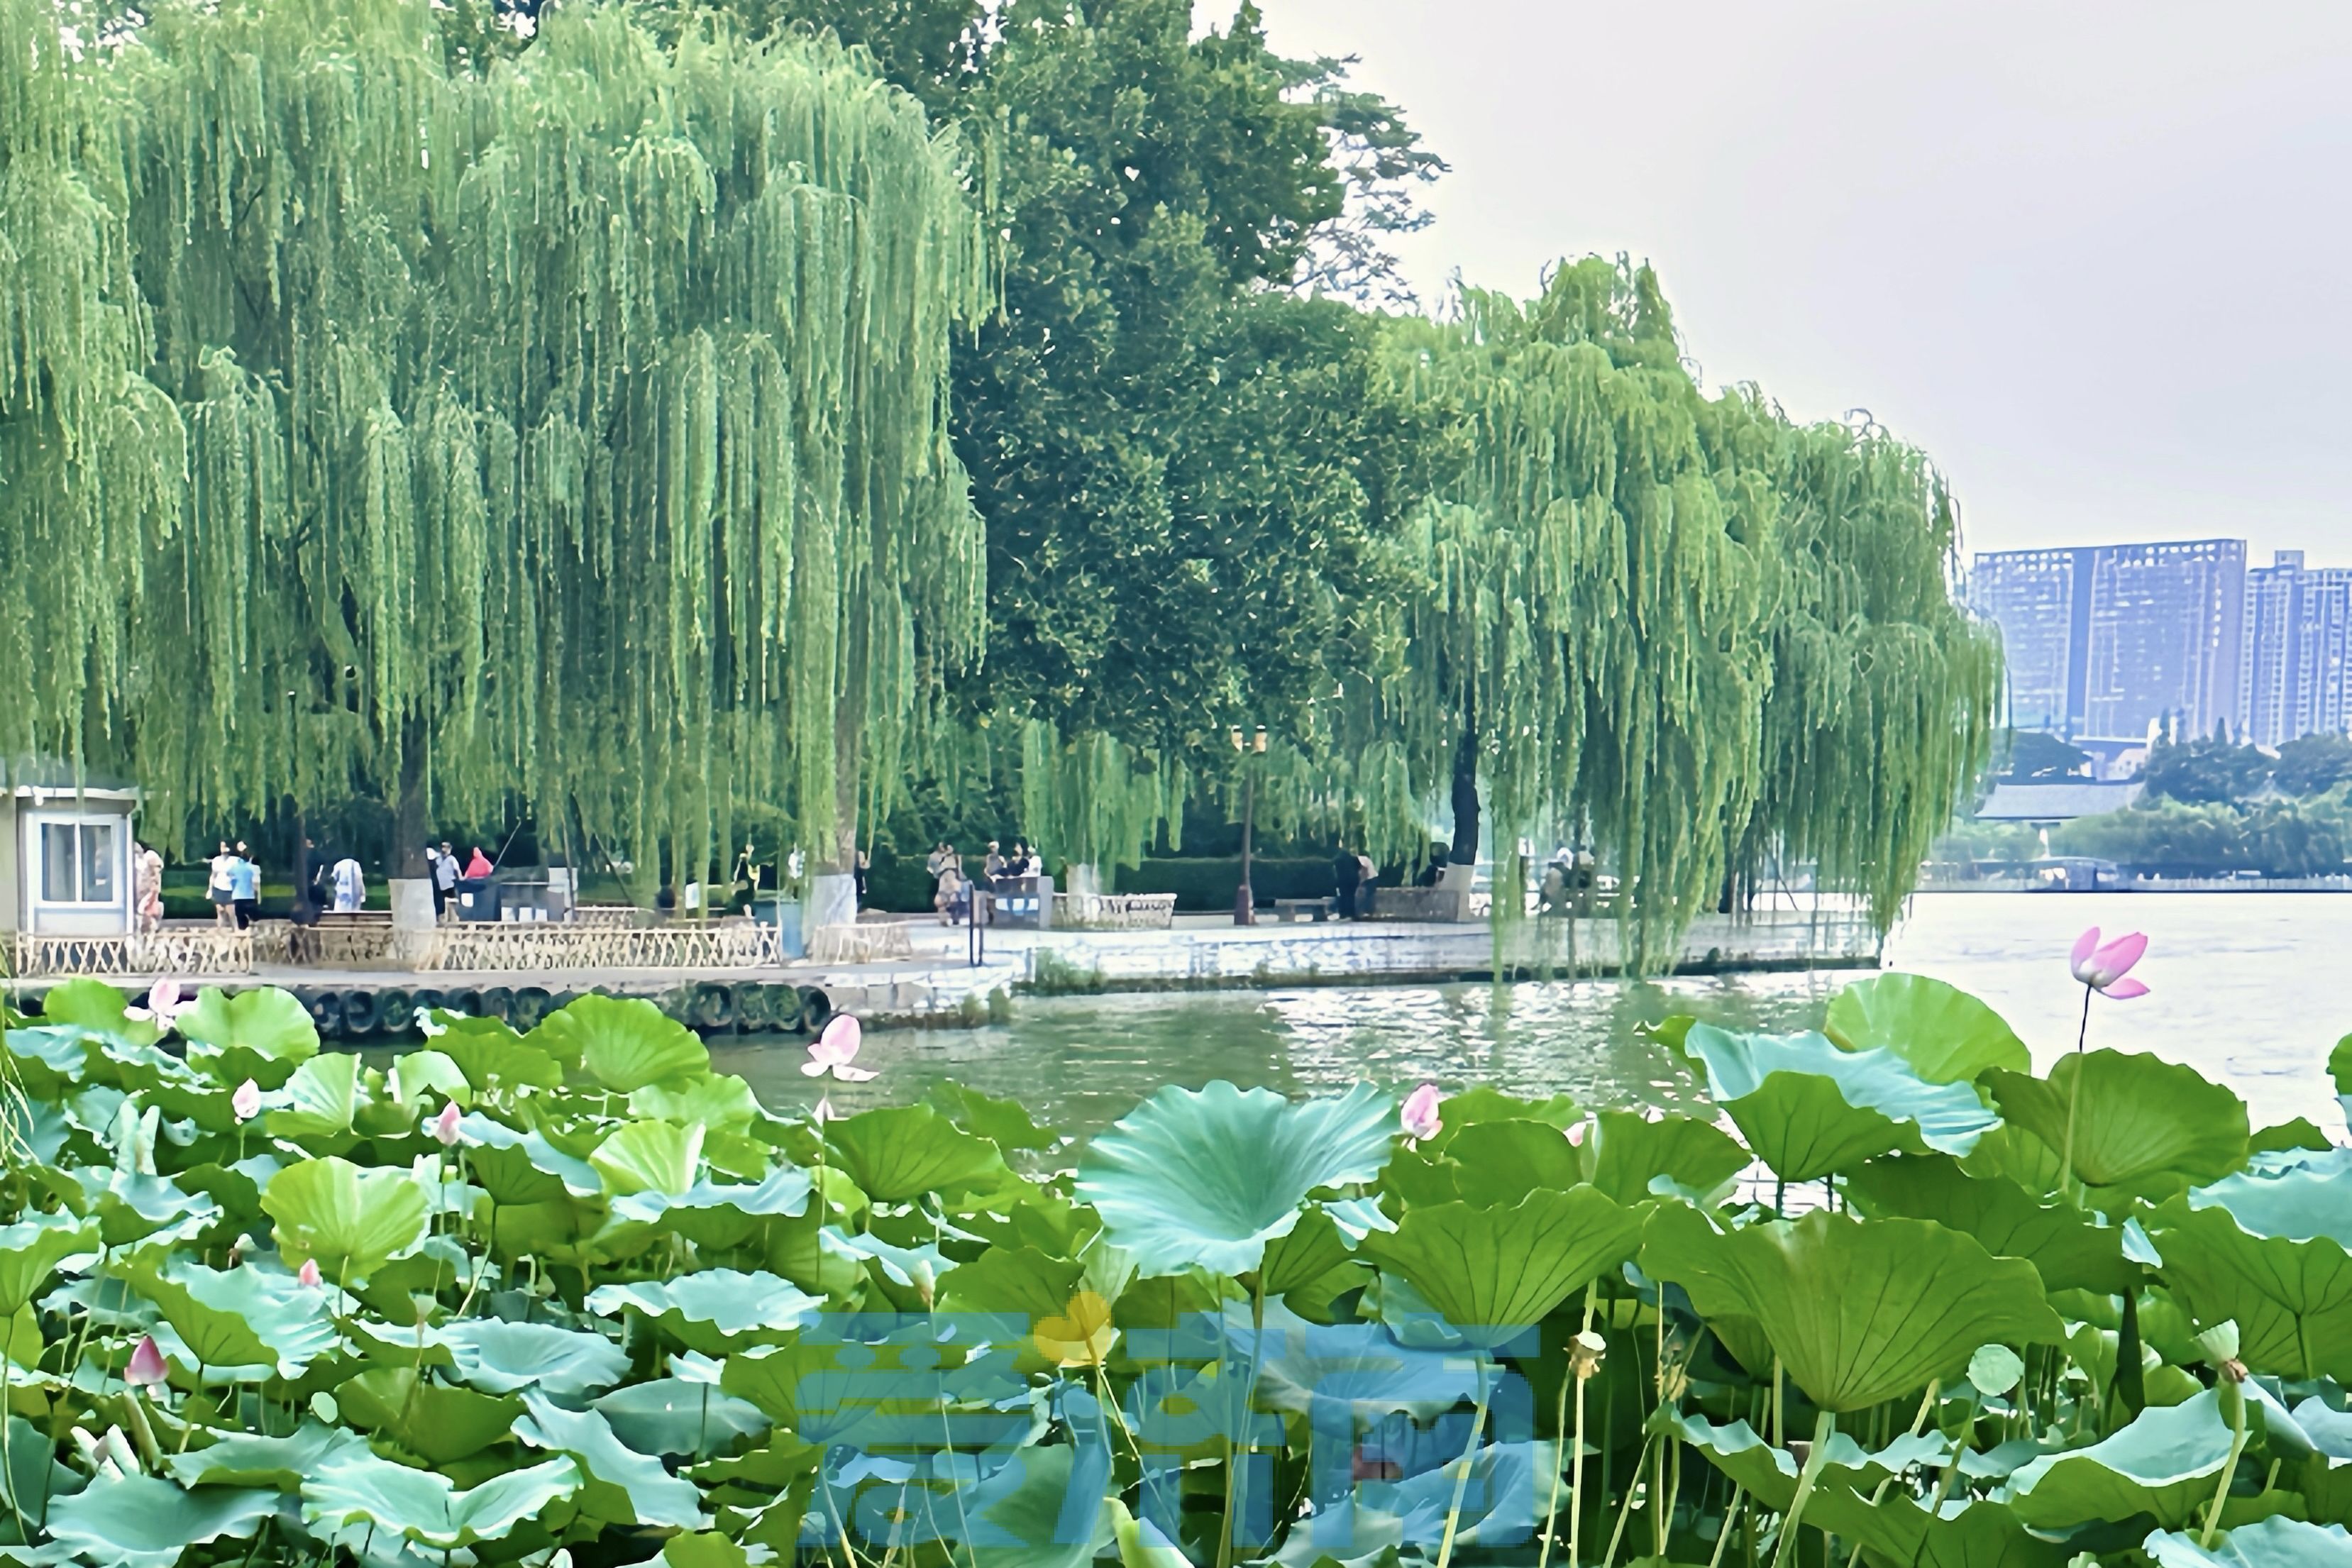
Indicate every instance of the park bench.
{"type": "Point", "coordinates": [343, 937]}
{"type": "Point", "coordinates": [1288, 911]}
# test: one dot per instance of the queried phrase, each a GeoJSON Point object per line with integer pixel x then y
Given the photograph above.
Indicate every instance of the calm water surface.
{"type": "Point", "coordinates": [2242, 986]}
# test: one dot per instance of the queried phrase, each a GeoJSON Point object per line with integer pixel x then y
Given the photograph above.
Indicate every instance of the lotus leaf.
{"type": "Point", "coordinates": [624, 1042]}
{"type": "Point", "coordinates": [418, 1072]}
{"type": "Point", "coordinates": [1481, 1103]}
{"type": "Point", "coordinates": [1498, 1509]}
{"type": "Point", "coordinates": [670, 1416]}
{"type": "Point", "coordinates": [1016, 1289]}
{"type": "Point", "coordinates": [898, 1153]}
{"type": "Point", "coordinates": [1493, 1272]}
{"type": "Point", "coordinates": [1858, 1311]}
{"type": "Point", "coordinates": [2146, 1127]}
{"type": "Point", "coordinates": [1038, 1510]}
{"type": "Point", "coordinates": [2292, 1299]}
{"type": "Point", "coordinates": [648, 1156]}
{"type": "Point", "coordinates": [131, 1207]}
{"type": "Point", "coordinates": [1204, 1178]}
{"type": "Point", "coordinates": [517, 1168]}
{"type": "Point", "coordinates": [351, 1220]}
{"type": "Point", "coordinates": [623, 1486]}
{"type": "Point", "coordinates": [715, 1101]}
{"type": "Point", "coordinates": [1503, 1161]}
{"type": "Point", "coordinates": [354, 1487]}
{"type": "Point", "coordinates": [505, 1358]}
{"type": "Point", "coordinates": [241, 1318]}
{"type": "Point", "coordinates": [1003, 1122]}
{"type": "Point", "coordinates": [1630, 1157]}
{"type": "Point", "coordinates": [1344, 1376]}
{"type": "Point", "coordinates": [2071, 1249]}
{"type": "Point", "coordinates": [262, 1035]}
{"type": "Point", "coordinates": [145, 1521]}
{"type": "Point", "coordinates": [438, 1423]}
{"type": "Point", "coordinates": [49, 1057]}
{"type": "Point", "coordinates": [2275, 1542]}
{"type": "Point", "coordinates": [33, 1249]}
{"type": "Point", "coordinates": [702, 1552]}
{"type": "Point", "coordinates": [1807, 1108]}
{"type": "Point", "coordinates": [2163, 1465]}
{"type": "Point", "coordinates": [494, 1058]}
{"type": "Point", "coordinates": [243, 1459]}
{"type": "Point", "coordinates": [720, 1213]}
{"type": "Point", "coordinates": [322, 1101]}
{"type": "Point", "coordinates": [715, 1311]}
{"type": "Point", "coordinates": [97, 1007]}
{"type": "Point", "coordinates": [1947, 1035]}
{"type": "Point", "coordinates": [1315, 1246]}
{"type": "Point", "coordinates": [1771, 1473]}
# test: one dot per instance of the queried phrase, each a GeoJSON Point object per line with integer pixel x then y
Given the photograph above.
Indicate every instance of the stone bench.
{"type": "Point", "coordinates": [1288, 911]}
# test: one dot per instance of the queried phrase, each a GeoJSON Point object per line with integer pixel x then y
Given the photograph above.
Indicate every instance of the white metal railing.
{"type": "Point", "coordinates": [1114, 912]}
{"type": "Point", "coordinates": [195, 951]}
{"type": "Point", "coordinates": [562, 944]}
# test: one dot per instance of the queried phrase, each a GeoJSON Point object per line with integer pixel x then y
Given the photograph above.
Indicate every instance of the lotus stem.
{"type": "Point", "coordinates": [1625, 1509]}
{"type": "Point", "coordinates": [2074, 1099]}
{"type": "Point", "coordinates": [1461, 1473]}
{"type": "Point", "coordinates": [1731, 1515]}
{"type": "Point", "coordinates": [1935, 1386]}
{"type": "Point", "coordinates": [1824, 1430]}
{"type": "Point", "coordinates": [7, 1461]}
{"type": "Point", "coordinates": [2235, 1398]}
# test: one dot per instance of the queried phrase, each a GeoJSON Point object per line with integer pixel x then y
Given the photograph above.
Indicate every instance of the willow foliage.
{"type": "Point", "coordinates": [576, 428]}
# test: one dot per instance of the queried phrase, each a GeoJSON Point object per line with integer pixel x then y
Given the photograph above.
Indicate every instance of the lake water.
{"type": "Point", "coordinates": [2241, 988]}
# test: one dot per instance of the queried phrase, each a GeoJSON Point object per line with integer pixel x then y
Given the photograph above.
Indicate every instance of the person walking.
{"type": "Point", "coordinates": [220, 887]}
{"type": "Point", "coordinates": [992, 865]}
{"type": "Point", "coordinates": [1349, 873]}
{"type": "Point", "coordinates": [949, 895]}
{"type": "Point", "coordinates": [245, 887]}
{"type": "Point", "coordinates": [350, 887]}
{"type": "Point", "coordinates": [445, 879]}
{"type": "Point", "coordinates": [150, 873]}
{"type": "Point", "coordinates": [478, 867]}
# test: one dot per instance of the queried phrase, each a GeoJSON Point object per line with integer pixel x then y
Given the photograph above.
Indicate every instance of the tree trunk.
{"type": "Point", "coordinates": [1465, 796]}
{"type": "Point", "coordinates": [411, 825]}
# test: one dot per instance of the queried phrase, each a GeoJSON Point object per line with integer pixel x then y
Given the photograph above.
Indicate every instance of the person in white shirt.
{"type": "Point", "coordinates": [350, 886]}
{"type": "Point", "coordinates": [220, 887]}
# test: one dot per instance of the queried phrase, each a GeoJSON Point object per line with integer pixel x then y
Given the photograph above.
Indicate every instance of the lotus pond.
{"type": "Point", "coordinates": [576, 1297]}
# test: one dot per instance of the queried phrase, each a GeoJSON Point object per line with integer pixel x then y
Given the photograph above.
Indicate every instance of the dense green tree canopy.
{"type": "Point", "coordinates": [388, 428]}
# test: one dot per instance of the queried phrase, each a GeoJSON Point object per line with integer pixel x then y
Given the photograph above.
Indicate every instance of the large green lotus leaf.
{"type": "Point", "coordinates": [2275, 1542]}
{"type": "Point", "coordinates": [1003, 1122]}
{"type": "Point", "coordinates": [437, 1423]}
{"type": "Point", "coordinates": [501, 1357]}
{"type": "Point", "coordinates": [1204, 1178]}
{"type": "Point", "coordinates": [1770, 1474]}
{"type": "Point", "coordinates": [671, 1415]}
{"type": "Point", "coordinates": [131, 1207]}
{"type": "Point", "coordinates": [261, 1035]}
{"type": "Point", "coordinates": [2147, 1128]}
{"type": "Point", "coordinates": [1350, 1370]}
{"type": "Point", "coordinates": [240, 1318]}
{"type": "Point", "coordinates": [1017, 1288]}
{"type": "Point", "coordinates": [1030, 1515]}
{"type": "Point", "coordinates": [145, 1521]}
{"type": "Point", "coordinates": [1296, 1262]}
{"type": "Point", "coordinates": [494, 1058]}
{"type": "Point", "coordinates": [351, 1220]}
{"type": "Point", "coordinates": [99, 1008]}
{"type": "Point", "coordinates": [236, 1187]}
{"type": "Point", "coordinates": [1858, 1311]}
{"type": "Point", "coordinates": [2325, 1478]}
{"type": "Point", "coordinates": [1503, 1161]}
{"type": "Point", "coordinates": [648, 1156]}
{"type": "Point", "coordinates": [324, 1100]}
{"type": "Point", "coordinates": [33, 1249]}
{"type": "Point", "coordinates": [720, 1213]}
{"type": "Point", "coordinates": [1480, 1104]}
{"type": "Point", "coordinates": [241, 1459]}
{"type": "Point", "coordinates": [623, 1486]}
{"type": "Point", "coordinates": [1807, 1108]}
{"type": "Point", "coordinates": [715, 1311]}
{"type": "Point", "coordinates": [900, 1153]}
{"type": "Point", "coordinates": [624, 1042]}
{"type": "Point", "coordinates": [2292, 1299]}
{"type": "Point", "coordinates": [356, 1487]}
{"type": "Point", "coordinates": [516, 1168]}
{"type": "Point", "coordinates": [1491, 1272]}
{"type": "Point", "coordinates": [702, 1552]}
{"type": "Point", "coordinates": [2164, 1465]}
{"type": "Point", "coordinates": [1947, 1035]}
{"type": "Point", "coordinates": [2069, 1248]}
{"type": "Point", "coordinates": [50, 1058]}
{"type": "Point", "coordinates": [717, 1100]}
{"type": "Point", "coordinates": [1626, 1152]}
{"type": "Point", "coordinates": [414, 1073]}
{"type": "Point", "coordinates": [2299, 1194]}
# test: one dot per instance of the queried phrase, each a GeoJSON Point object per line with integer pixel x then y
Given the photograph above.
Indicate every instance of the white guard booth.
{"type": "Point", "coordinates": [65, 853]}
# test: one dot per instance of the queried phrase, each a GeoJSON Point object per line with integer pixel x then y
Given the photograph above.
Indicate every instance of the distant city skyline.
{"type": "Point", "coordinates": [2072, 252]}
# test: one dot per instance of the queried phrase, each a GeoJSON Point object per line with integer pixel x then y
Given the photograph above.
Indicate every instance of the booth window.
{"type": "Point", "coordinates": [77, 863]}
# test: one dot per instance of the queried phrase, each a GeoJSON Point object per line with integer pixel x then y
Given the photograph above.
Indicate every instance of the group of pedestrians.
{"type": "Point", "coordinates": [447, 873]}
{"type": "Point", "coordinates": [952, 889]}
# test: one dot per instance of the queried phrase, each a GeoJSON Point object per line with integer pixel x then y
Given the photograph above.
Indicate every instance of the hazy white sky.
{"type": "Point", "coordinates": [2091, 257]}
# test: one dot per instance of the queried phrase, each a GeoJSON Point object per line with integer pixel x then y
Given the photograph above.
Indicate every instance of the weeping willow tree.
{"type": "Point", "coordinates": [1680, 628]}
{"type": "Point", "coordinates": [576, 430]}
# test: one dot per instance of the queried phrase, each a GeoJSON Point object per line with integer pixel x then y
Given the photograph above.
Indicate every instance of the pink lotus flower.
{"type": "Point", "coordinates": [246, 1100]}
{"type": "Point", "coordinates": [1419, 1117]}
{"type": "Point", "coordinates": [2103, 968]}
{"type": "Point", "coordinates": [445, 1126]}
{"type": "Point", "coordinates": [148, 1368]}
{"type": "Point", "coordinates": [309, 1273]}
{"type": "Point", "coordinates": [1576, 1133]}
{"type": "Point", "coordinates": [832, 1052]}
{"type": "Point", "coordinates": [164, 1004]}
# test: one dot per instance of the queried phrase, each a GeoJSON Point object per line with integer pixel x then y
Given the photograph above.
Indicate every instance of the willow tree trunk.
{"type": "Point", "coordinates": [1466, 797]}
{"type": "Point", "coordinates": [411, 822]}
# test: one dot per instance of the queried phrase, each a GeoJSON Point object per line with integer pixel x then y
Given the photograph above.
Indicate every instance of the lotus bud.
{"type": "Point", "coordinates": [927, 1284]}
{"type": "Point", "coordinates": [309, 1273]}
{"type": "Point", "coordinates": [148, 1369]}
{"type": "Point", "coordinates": [445, 1126]}
{"type": "Point", "coordinates": [1419, 1117]}
{"type": "Point", "coordinates": [1584, 1353]}
{"type": "Point", "coordinates": [246, 1100]}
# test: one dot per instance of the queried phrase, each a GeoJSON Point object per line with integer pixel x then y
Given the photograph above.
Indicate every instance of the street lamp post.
{"type": "Point", "coordinates": [1245, 898]}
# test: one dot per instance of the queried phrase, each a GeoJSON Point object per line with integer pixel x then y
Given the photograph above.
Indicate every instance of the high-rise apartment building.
{"type": "Point", "coordinates": [2298, 650]}
{"type": "Point", "coordinates": [2107, 640]}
